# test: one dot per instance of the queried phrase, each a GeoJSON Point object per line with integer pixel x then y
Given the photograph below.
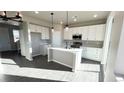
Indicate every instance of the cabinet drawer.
{"type": "Point", "coordinates": [92, 53]}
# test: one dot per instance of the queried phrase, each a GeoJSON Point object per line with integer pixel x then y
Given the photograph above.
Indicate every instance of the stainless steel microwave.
{"type": "Point", "coordinates": [77, 37]}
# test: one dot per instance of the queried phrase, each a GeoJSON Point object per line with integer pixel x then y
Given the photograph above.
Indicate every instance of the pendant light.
{"type": "Point", "coordinates": [66, 26]}
{"type": "Point", "coordinates": [52, 28]}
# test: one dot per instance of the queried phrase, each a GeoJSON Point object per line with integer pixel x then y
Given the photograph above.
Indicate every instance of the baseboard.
{"type": "Point", "coordinates": [91, 59]}
{"type": "Point", "coordinates": [30, 59]}
{"type": "Point", "coordinates": [36, 55]}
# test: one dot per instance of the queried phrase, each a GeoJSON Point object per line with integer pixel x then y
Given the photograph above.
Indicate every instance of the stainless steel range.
{"type": "Point", "coordinates": [76, 41]}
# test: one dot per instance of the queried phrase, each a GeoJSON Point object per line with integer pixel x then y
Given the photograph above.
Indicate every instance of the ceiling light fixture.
{"type": "Point", "coordinates": [74, 18]}
{"type": "Point", "coordinates": [66, 26]}
{"type": "Point", "coordinates": [95, 15]}
{"type": "Point", "coordinates": [36, 12]}
{"type": "Point", "coordinates": [17, 17]}
{"type": "Point", "coordinates": [52, 28]}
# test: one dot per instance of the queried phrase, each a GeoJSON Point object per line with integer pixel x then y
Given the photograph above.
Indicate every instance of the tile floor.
{"type": "Point", "coordinates": [15, 68]}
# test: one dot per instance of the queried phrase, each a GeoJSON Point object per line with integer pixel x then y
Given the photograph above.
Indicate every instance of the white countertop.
{"type": "Point", "coordinates": [68, 50]}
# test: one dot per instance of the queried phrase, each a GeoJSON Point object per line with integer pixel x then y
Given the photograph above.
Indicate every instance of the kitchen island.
{"type": "Point", "coordinates": [68, 57]}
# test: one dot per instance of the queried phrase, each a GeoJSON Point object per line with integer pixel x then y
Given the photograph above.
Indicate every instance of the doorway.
{"type": "Point", "coordinates": [16, 39]}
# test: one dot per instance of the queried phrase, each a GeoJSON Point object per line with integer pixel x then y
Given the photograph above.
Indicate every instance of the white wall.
{"type": "Point", "coordinates": [119, 65]}
{"type": "Point", "coordinates": [113, 50]}
{"type": "Point", "coordinates": [25, 41]}
{"type": "Point", "coordinates": [107, 37]}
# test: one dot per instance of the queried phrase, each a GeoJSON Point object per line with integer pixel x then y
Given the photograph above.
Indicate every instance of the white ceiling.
{"type": "Point", "coordinates": [82, 16]}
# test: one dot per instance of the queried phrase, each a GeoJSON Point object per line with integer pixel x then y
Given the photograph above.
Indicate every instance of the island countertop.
{"type": "Point", "coordinates": [69, 50]}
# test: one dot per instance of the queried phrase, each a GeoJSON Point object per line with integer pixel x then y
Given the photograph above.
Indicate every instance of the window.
{"type": "Point", "coordinates": [16, 35]}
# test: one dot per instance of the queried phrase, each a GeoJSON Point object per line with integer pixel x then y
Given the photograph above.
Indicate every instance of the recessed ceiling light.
{"type": "Point", "coordinates": [75, 19]}
{"type": "Point", "coordinates": [95, 15]}
{"type": "Point", "coordinates": [36, 12]}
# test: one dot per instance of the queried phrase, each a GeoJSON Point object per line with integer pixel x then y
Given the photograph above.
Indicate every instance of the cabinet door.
{"type": "Point", "coordinates": [84, 31]}
{"type": "Point", "coordinates": [72, 30]}
{"type": "Point", "coordinates": [43, 33]}
{"type": "Point", "coordinates": [47, 33]}
{"type": "Point", "coordinates": [79, 31]}
{"type": "Point", "coordinates": [98, 55]}
{"type": "Point", "coordinates": [68, 35]}
{"type": "Point", "coordinates": [84, 52]}
{"type": "Point", "coordinates": [32, 27]}
{"type": "Point", "coordinates": [38, 29]}
{"type": "Point", "coordinates": [92, 33]}
{"type": "Point", "coordinates": [65, 35]}
{"type": "Point", "coordinates": [92, 54]}
{"type": "Point", "coordinates": [100, 32]}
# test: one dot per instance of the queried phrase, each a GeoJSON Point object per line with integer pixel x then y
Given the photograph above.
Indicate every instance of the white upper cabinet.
{"type": "Point", "coordinates": [100, 32]}
{"type": "Point", "coordinates": [68, 34]}
{"type": "Point", "coordinates": [40, 29]}
{"type": "Point", "coordinates": [92, 33]}
{"type": "Point", "coordinates": [32, 27]}
{"type": "Point", "coordinates": [45, 33]}
{"type": "Point", "coordinates": [73, 30]}
{"type": "Point", "coordinates": [65, 35]}
{"type": "Point", "coordinates": [84, 31]}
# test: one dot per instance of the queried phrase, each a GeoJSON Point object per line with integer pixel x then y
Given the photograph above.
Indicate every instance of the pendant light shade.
{"type": "Point", "coordinates": [52, 28]}
{"type": "Point", "coordinates": [66, 26]}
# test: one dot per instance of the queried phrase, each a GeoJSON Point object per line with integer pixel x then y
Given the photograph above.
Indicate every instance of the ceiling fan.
{"type": "Point", "coordinates": [17, 17]}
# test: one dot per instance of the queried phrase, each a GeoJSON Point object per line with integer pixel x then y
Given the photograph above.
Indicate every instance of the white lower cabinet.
{"type": "Point", "coordinates": [43, 49]}
{"type": "Point", "coordinates": [92, 53]}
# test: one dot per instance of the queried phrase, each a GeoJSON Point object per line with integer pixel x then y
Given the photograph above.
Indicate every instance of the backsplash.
{"type": "Point", "coordinates": [45, 41]}
{"type": "Point", "coordinates": [85, 43]}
